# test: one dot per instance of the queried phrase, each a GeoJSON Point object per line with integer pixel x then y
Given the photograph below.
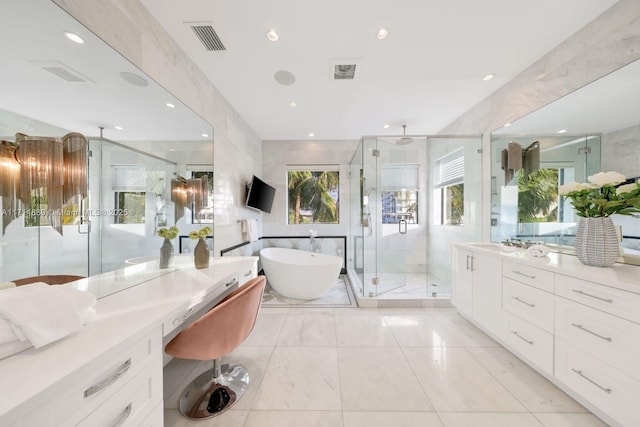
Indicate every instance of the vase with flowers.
{"type": "Point", "coordinates": [596, 238]}
{"type": "Point", "coordinates": [166, 250]}
{"type": "Point", "coordinates": [201, 251]}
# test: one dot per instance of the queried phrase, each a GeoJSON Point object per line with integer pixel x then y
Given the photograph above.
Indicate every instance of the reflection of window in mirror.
{"type": "Point", "coordinates": [129, 207]}
{"type": "Point", "coordinates": [36, 213]}
{"type": "Point", "coordinates": [538, 199]}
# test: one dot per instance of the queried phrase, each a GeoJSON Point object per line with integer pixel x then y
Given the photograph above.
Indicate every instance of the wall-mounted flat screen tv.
{"type": "Point", "coordinates": [260, 195]}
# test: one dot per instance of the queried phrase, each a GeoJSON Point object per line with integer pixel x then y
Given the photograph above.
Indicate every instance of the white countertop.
{"type": "Point", "coordinates": [620, 276]}
{"type": "Point", "coordinates": [120, 316]}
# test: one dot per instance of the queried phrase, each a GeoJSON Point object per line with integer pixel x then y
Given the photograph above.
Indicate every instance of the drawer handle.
{"type": "Point", "coordinates": [248, 273]}
{"type": "Point", "coordinates": [187, 314]}
{"type": "Point", "coordinates": [523, 302]}
{"type": "Point", "coordinates": [231, 283]}
{"type": "Point", "coordinates": [582, 328]}
{"type": "Point", "coordinates": [107, 382]}
{"type": "Point", "coordinates": [122, 417]}
{"type": "Point", "coordinates": [581, 292]}
{"type": "Point", "coordinates": [579, 372]}
{"type": "Point", "coordinates": [522, 338]}
{"type": "Point", "coordinates": [522, 274]}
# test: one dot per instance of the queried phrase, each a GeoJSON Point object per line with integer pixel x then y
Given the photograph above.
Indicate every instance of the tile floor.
{"type": "Point", "coordinates": [349, 367]}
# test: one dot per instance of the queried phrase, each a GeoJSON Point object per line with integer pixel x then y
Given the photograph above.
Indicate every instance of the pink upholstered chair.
{"type": "Point", "coordinates": [214, 335]}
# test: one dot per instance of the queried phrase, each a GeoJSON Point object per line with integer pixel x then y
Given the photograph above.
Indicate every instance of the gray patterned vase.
{"type": "Point", "coordinates": [597, 242]}
{"type": "Point", "coordinates": [201, 254]}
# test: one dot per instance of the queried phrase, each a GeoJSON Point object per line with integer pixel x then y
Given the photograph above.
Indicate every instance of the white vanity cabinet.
{"type": "Point", "coordinates": [110, 372]}
{"type": "Point", "coordinates": [476, 288]}
{"type": "Point", "coordinates": [578, 326]}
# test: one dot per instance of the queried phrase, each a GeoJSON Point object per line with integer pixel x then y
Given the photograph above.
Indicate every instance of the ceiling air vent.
{"type": "Point", "coordinates": [208, 37]}
{"type": "Point", "coordinates": [62, 71]}
{"type": "Point", "coordinates": [344, 71]}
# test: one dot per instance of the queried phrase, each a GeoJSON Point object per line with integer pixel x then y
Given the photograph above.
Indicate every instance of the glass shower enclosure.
{"type": "Point", "coordinates": [401, 224]}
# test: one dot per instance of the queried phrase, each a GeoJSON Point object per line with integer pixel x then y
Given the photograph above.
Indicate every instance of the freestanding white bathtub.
{"type": "Point", "coordinates": [300, 274]}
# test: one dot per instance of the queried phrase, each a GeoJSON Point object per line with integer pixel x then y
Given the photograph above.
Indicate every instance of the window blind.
{"type": "Point", "coordinates": [451, 169]}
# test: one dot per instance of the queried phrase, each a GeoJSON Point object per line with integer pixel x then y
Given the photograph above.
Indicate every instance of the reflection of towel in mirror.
{"type": "Point", "coordinates": [42, 314]}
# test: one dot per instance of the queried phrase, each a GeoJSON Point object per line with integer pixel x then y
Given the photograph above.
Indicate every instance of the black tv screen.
{"type": "Point", "coordinates": [260, 195]}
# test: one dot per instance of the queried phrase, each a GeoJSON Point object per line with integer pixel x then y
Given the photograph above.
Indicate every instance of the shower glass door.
{"type": "Point", "coordinates": [394, 205]}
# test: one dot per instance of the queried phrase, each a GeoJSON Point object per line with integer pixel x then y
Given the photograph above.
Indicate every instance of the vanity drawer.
{"type": "Point", "coordinates": [600, 334]}
{"type": "Point", "coordinates": [133, 403]}
{"type": "Point", "coordinates": [613, 301]}
{"type": "Point", "coordinates": [248, 273]}
{"type": "Point", "coordinates": [609, 390]}
{"type": "Point", "coordinates": [530, 343]}
{"type": "Point", "coordinates": [529, 303]}
{"type": "Point", "coordinates": [535, 277]}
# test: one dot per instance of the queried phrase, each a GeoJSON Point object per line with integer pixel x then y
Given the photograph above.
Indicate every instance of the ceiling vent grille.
{"type": "Point", "coordinates": [62, 71]}
{"type": "Point", "coordinates": [344, 71]}
{"type": "Point", "coordinates": [208, 37]}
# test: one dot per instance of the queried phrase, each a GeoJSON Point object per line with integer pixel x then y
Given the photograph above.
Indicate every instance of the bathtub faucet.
{"type": "Point", "coordinates": [312, 240]}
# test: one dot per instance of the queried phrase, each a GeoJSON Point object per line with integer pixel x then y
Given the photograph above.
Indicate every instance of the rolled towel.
{"type": "Point", "coordinates": [538, 251]}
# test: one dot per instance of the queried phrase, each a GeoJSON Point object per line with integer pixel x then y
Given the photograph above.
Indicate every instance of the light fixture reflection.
{"type": "Point", "coordinates": [488, 77]}
{"type": "Point", "coordinates": [170, 105]}
{"type": "Point", "coordinates": [562, 131]}
{"type": "Point", "coordinates": [74, 38]}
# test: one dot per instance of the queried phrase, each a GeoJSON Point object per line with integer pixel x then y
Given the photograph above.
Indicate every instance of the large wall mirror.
{"type": "Point", "coordinates": [595, 128]}
{"type": "Point", "coordinates": [140, 139]}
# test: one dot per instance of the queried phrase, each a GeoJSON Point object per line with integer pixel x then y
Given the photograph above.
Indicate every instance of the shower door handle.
{"type": "Point", "coordinates": [401, 229]}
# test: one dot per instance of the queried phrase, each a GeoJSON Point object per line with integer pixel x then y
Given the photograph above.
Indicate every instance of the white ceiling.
{"type": "Point", "coordinates": [427, 73]}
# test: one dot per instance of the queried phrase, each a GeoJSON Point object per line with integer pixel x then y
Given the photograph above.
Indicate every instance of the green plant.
{"type": "Point", "coordinates": [603, 195]}
{"type": "Point", "coordinates": [202, 233]}
{"type": "Point", "coordinates": [168, 233]}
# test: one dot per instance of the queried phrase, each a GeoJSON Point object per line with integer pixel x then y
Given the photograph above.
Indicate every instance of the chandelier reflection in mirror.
{"type": "Point", "coordinates": [42, 166]}
{"type": "Point", "coordinates": [191, 193]}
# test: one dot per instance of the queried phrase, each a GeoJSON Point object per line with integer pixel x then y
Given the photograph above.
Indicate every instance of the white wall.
{"type": "Point", "coordinates": [607, 43]}
{"type": "Point", "coordinates": [131, 30]}
{"type": "Point", "coordinates": [277, 155]}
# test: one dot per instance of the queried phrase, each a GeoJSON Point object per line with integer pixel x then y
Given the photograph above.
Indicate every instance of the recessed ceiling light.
{"type": "Point", "coordinates": [562, 131]}
{"type": "Point", "coordinates": [488, 77]}
{"type": "Point", "coordinates": [293, 104]}
{"type": "Point", "coordinates": [74, 38]}
{"type": "Point", "coordinates": [382, 34]}
{"type": "Point", "coordinates": [118, 127]}
{"type": "Point", "coordinates": [386, 126]}
{"type": "Point", "coordinates": [312, 134]}
{"type": "Point", "coordinates": [205, 135]}
{"type": "Point", "coordinates": [170, 105]}
{"type": "Point", "coordinates": [272, 35]}
{"type": "Point", "coordinates": [506, 125]}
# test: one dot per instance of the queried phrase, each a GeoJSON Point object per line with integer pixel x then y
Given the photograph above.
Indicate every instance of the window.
{"type": "Point", "coordinates": [313, 194]}
{"type": "Point", "coordinates": [449, 189]}
{"type": "Point", "coordinates": [400, 193]}
{"type": "Point", "coordinates": [36, 215]}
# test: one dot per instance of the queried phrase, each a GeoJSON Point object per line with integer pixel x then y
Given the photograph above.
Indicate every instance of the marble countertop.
{"type": "Point", "coordinates": [620, 276]}
{"type": "Point", "coordinates": [121, 316]}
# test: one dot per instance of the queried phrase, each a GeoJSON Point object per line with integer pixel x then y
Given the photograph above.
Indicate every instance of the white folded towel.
{"type": "Point", "coordinates": [41, 313]}
{"type": "Point", "coordinates": [538, 251]}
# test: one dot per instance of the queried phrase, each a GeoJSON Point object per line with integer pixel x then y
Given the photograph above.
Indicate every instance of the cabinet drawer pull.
{"type": "Point", "coordinates": [522, 338]}
{"type": "Point", "coordinates": [110, 380]}
{"type": "Point", "coordinates": [579, 372]}
{"type": "Point", "coordinates": [522, 274]}
{"type": "Point", "coordinates": [523, 302]}
{"type": "Point", "coordinates": [248, 273]}
{"type": "Point", "coordinates": [187, 314]}
{"type": "Point", "coordinates": [582, 328]}
{"type": "Point", "coordinates": [231, 283]}
{"type": "Point", "coordinates": [468, 262]}
{"type": "Point", "coordinates": [581, 292]}
{"type": "Point", "coordinates": [122, 417]}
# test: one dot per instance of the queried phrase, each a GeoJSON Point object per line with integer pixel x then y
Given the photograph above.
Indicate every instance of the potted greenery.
{"type": "Point", "coordinates": [595, 202]}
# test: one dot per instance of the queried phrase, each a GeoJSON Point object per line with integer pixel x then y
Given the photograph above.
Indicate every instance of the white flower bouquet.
{"type": "Point", "coordinates": [603, 196]}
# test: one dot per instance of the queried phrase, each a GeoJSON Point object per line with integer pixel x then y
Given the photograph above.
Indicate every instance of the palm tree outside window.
{"type": "Point", "coordinates": [313, 195]}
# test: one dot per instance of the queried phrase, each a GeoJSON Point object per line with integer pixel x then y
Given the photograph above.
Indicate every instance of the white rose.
{"type": "Point", "coordinates": [564, 190]}
{"type": "Point", "coordinates": [606, 178]}
{"type": "Point", "coordinates": [627, 188]}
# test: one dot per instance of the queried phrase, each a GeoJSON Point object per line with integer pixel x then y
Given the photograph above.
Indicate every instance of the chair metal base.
{"type": "Point", "coordinates": [208, 396]}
